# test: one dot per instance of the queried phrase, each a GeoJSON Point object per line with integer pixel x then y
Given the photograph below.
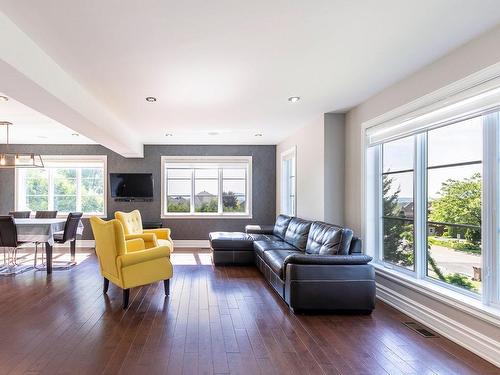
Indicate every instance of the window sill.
{"type": "Point", "coordinates": [464, 303]}
{"type": "Point", "coordinates": [189, 216]}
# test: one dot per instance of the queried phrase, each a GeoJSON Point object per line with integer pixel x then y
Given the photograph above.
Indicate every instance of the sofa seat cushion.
{"type": "Point", "coordinates": [281, 225]}
{"type": "Point", "coordinates": [230, 241]}
{"type": "Point", "coordinates": [297, 232]}
{"type": "Point", "coordinates": [261, 246]}
{"type": "Point", "coordinates": [276, 259]}
{"type": "Point", "coordinates": [327, 239]}
{"type": "Point", "coordinates": [263, 237]}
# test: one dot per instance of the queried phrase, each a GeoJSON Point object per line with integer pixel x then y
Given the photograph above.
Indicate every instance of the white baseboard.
{"type": "Point", "coordinates": [204, 244]}
{"type": "Point", "coordinates": [476, 342]}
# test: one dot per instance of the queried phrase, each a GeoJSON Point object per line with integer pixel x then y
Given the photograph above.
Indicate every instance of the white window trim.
{"type": "Point", "coordinates": [288, 154]}
{"type": "Point", "coordinates": [208, 159]}
{"type": "Point", "coordinates": [486, 307]}
{"type": "Point", "coordinates": [77, 158]}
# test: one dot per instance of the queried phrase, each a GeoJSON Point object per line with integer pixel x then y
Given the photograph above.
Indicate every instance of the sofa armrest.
{"type": "Point", "coordinates": [327, 259]}
{"type": "Point", "coordinates": [259, 229]}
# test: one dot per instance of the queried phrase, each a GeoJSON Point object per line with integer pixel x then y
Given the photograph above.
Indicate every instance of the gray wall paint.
{"type": "Point", "coordinates": [334, 167]}
{"type": "Point", "coordinates": [263, 183]}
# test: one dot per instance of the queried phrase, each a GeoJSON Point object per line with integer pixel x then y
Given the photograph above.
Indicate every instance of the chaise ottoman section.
{"type": "Point", "coordinates": [231, 248]}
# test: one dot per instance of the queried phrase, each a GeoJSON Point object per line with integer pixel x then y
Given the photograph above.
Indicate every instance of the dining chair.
{"type": "Point", "coordinates": [128, 264]}
{"type": "Point", "coordinates": [45, 214]}
{"type": "Point", "coordinates": [9, 242]}
{"type": "Point", "coordinates": [20, 214]}
{"type": "Point", "coordinates": [68, 234]}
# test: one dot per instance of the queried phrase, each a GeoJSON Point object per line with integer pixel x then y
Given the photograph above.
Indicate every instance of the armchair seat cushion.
{"type": "Point", "coordinates": [275, 259]}
{"type": "Point", "coordinates": [261, 246]}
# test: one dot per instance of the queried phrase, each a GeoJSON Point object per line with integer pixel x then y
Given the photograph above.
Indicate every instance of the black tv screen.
{"type": "Point", "coordinates": [131, 185]}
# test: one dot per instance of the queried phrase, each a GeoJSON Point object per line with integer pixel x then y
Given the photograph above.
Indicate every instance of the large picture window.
{"type": "Point", "coordinates": [66, 184]}
{"type": "Point", "coordinates": [206, 187]}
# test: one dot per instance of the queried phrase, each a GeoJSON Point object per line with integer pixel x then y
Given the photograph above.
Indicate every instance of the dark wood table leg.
{"type": "Point", "coordinates": [73, 250]}
{"type": "Point", "coordinates": [48, 254]}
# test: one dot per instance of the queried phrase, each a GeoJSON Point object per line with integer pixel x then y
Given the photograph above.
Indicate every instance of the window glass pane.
{"type": "Point", "coordinates": [37, 202]}
{"type": "Point", "coordinates": [206, 195]}
{"type": "Point", "coordinates": [397, 201]}
{"type": "Point", "coordinates": [398, 154]}
{"type": "Point", "coordinates": [398, 242]}
{"type": "Point", "coordinates": [93, 203]}
{"type": "Point", "coordinates": [178, 173]}
{"type": "Point", "coordinates": [233, 196]}
{"type": "Point", "coordinates": [206, 173]}
{"type": "Point", "coordinates": [65, 182]}
{"type": "Point", "coordinates": [234, 173]}
{"type": "Point", "coordinates": [458, 143]}
{"type": "Point", "coordinates": [398, 194]}
{"type": "Point", "coordinates": [37, 182]}
{"type": "Point", "coordinates": [178, 203]}
{"type": "Point", "coordinates": [179, 187]}
{"type": "Point", "coordinates": [65, 203]}
{"type": "Point", "coordinates": [454, 205]}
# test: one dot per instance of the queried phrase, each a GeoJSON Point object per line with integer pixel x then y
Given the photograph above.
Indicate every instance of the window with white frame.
{"type": "Point", "coordinates": [65, 184]}
{"type": "Point", "coordinates": [288, 182]}
{"type": "Point", "coordinates": [206, 186]}
{"type": "Point", "coordinates": [431, 193]}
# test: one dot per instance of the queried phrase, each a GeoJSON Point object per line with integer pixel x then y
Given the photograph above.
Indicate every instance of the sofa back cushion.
{"type": "Point", "coordinates": [297, 232]}
{"type": "Point", "coordinates": [281, 225]}
{"type": "Point", "coordinates": [327, 239]}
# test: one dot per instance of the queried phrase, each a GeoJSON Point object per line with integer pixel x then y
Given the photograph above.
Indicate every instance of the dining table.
{"type": "Point", "coordinates": [42, 231]}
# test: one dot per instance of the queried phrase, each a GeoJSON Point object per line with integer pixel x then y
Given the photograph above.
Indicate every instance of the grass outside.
{"type": "Point", "coordinates": [455, 244]}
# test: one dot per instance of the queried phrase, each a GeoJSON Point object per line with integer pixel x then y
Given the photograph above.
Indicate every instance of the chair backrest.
{"type": "Point", "coordinates": [131, 221]}
{"type": "Point", "coordinates": [20, 214]}
{"type": "Point", "coordinates": [71, 226]}
{"type": "Point", "coordinates": [8, 232]}
{"type": "Point", "coordinates": [45, 214]}
{"type": "Point", "coordinates": [109, 243]}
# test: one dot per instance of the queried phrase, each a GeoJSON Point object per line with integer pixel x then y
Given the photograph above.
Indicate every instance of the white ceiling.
{"type": "Point", "coordinates": [225, 66]}
{"type": "Point", "coordinates": [32, 127]}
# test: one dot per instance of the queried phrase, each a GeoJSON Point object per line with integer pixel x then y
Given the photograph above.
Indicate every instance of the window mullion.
{"type": "Point", "coordinates": [219, 198]}
{"type": "Point", "coordinates": [51, 188]}
{"type": "Point", "coordinates": [193, 193]}
{"type": "Point", "coordinates": [420, 205]}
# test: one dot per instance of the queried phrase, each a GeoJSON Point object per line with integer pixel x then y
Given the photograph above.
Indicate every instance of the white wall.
{"type": "Point", "coordinates": [479, 335]}
{"type": "Point", "coordinates": [310, 143]}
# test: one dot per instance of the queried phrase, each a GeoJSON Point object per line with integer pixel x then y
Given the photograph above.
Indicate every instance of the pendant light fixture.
{"type": "Point", "coordinates": [17, 160]}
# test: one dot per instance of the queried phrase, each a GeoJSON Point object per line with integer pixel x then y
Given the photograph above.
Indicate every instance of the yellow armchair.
{"type": "Point", "coordinates": [128, 264]}
{"type": "Point", "coordinates": [132, 225]}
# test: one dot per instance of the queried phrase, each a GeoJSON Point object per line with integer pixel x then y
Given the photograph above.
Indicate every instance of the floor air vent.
{"type": "Point", "coordinates": [420, 329]}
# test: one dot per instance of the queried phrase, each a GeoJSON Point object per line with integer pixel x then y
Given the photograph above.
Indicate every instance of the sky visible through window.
{"type": "Point", "coordinates": [460, 143]}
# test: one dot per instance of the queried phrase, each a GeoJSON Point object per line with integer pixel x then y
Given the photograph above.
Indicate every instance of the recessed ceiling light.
{"type": "Point", "coordinates": [169, 135]}
{"type": "Point", "coordinates": [151, 99]}
{"type": "Point", "coordinates": [42, 136]}
{"type": "Point", "coordinates": [213, 133]}
{"type": "Point", "coordinates": [258, 135]}
{"type": "Point", "coordinates": [75, 134]}
{"type": "Point", "coordinates": [3, 98]}
{"type": "Point", "coordinates": [294, 99]}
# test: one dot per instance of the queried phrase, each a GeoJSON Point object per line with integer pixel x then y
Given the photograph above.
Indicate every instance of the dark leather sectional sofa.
{"type": "Point", "coordinates": [312, 265]}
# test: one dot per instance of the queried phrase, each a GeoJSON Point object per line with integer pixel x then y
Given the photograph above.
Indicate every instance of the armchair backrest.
{"type": "Point", "coordinates": [109, 243]}
{"type": "Point", "coordinates": [131, 221]}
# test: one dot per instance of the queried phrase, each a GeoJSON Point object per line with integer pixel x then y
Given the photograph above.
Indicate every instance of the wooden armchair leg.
{"type": "Point", "coordinates": [166, 284]}
{"type": "Point", "coordinates": [126, 293]}
{"type": "Point", "coordinates": [105, 286]}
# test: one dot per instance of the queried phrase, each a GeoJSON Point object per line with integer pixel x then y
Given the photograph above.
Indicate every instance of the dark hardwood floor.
{"type": "Point", "coordinates": [216, 320]}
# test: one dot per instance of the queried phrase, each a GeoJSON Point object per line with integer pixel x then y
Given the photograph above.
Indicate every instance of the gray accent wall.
{"type": "Point", "coordinates": [263, 183]}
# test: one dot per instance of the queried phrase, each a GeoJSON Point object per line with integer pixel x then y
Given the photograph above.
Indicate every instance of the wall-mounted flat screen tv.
{"type": "Point", "coordinates": [131, 185]}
